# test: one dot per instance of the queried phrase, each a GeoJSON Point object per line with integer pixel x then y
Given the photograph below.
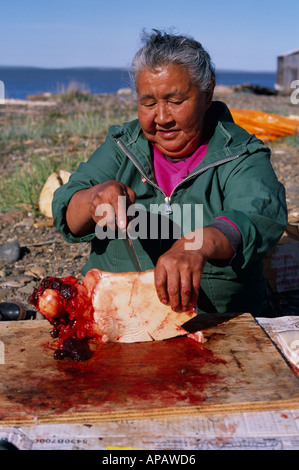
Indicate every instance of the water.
{"type": "Point", "coordinates": [20, 82]}
{"type": "Point", "coordinates": [264, 79]}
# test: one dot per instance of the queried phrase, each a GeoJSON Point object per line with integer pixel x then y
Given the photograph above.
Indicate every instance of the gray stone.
{"type": "Point", "coordinates": [10, 252]}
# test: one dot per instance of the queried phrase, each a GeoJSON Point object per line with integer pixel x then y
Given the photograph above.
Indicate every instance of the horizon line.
{"type": "Point", "coordinates": [104, 67]}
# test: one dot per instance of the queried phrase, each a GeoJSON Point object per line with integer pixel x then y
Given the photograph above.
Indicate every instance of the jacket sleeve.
{"type": "Point", "coordinates": [254, 200]}
{"type": "Point", "coordinates": [102, 166]}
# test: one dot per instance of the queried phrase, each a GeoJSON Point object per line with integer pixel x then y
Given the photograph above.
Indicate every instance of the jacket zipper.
{"type": "Point", "coordinates": [167, 199]}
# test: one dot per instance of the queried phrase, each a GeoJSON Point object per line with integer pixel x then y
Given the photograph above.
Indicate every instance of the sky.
{"type": "Point", "coordinates": [239, 35]}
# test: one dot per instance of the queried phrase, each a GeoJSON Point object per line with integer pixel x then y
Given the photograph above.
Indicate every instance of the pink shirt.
{"type": "Point", "coordinates": [169, 173]}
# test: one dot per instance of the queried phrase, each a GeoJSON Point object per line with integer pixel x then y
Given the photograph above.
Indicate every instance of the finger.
{"type": "Point", "coordinates": [105, 216]}
{"type": "Point", "coordinates": [186, 293]}
{"type": "Point", "coordinates": [160, 278]}
{"type": "Point", "coordinates": [119, 203]}
{"type": "Point", "coordinates": [174, 291]}
{"type": "Point", "coordinates": [126, 197]}
{"type": "Point", "coordinates": [131, 195]}
{"type": "Point", "coordinates": [196, 279]}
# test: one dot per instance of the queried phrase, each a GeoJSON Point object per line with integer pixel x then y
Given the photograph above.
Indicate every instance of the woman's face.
{"type": "Point", "coordinates": [171, 109]}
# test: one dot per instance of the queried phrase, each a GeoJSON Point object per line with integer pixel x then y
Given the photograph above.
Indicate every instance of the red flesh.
{"type": "Point", "coordinates": [71, 315]}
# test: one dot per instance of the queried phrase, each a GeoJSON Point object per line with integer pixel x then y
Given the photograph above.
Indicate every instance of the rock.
{"type": "Point", "coordinates": [11, 283]}
{"type": "Point", "coordinates": [46, 195]}
{"type": "Point", "coordinates": [43, 223]}
{"type": "Point", "coordinates": [54, 181]}
{"type": "Point", "coordinates": [125, 92]}
{"type": "Point", "coordinates": [12, 311]}
{"type": "Point", "coordinates": [5, 293]}
{"type": "Point", "coordinates": [6, 445]}
{"type": "Point", "coordinates": [11, 216]}
{"type": "Point", "coordinates": [257, 89]}
{"type": "Point", "coordinates": [74, 139]}
{"type": "Point", "coordinates": [293, 216]}
{"type": "Point", "coordinates": [16, 281]}
{"type": "Point", "coordinates": [27, 223]}
{"type": "Point", "coordinates": [36, 271]}
{"type": "Point", "coordinates": [223, 89]}
{"type": "Point", "coordinates": [41, 150]}
{"type": "Point", "coordinates": [26, 290]}
{"type": "Point", "coordinates": [10, 252]}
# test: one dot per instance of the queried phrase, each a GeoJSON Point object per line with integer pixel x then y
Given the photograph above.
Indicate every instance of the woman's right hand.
{"type": "Point", "coordinates": [110, 203]}
{"type": "Point", "coordinates": [102, 204]}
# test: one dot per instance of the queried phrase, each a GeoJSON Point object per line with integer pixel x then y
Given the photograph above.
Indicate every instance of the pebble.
{"type": "Point", "coordinates": [43, 253]}
{"type": "Point", "coordinates": [12, 311]}
{"type": "Point", "coordinates": [10, 252]}
{"type": "Point", "coordinates": [36, 271]}
{"type": "Point", "coordinates": [27, 290]}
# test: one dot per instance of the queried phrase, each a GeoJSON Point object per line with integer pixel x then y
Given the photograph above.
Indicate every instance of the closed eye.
{"type": "Point", "coordinates": [148, 105]}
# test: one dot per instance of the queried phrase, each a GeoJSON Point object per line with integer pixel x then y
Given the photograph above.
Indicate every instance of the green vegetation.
{"type": "Point", "coordinates": [34, 144]}
{"type": "Point", "coordinates": [292, 140]}
{"type": "Point", "coordinates": [22, 188]}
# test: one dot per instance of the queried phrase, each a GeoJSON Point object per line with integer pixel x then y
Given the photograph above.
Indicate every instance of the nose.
{"type": "Point", "coordinates": [163, 116]}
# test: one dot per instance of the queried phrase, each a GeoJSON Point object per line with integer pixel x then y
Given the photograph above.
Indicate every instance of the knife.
{"type": "Point", "coordinates": [132, 253]}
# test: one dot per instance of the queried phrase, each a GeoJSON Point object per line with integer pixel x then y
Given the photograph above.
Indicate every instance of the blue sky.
{"type": "Point", "coordinates": [239, 35]}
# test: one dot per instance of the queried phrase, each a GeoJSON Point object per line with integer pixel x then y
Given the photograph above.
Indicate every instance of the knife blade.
{"type": "Point", "coordinates": [132, 253]}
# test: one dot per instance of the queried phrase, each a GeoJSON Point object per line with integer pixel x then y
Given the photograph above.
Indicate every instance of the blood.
{"type": "Point", "coordinates": [73, 349]}
{"type": "Point", "coordinates": [63, 285]}
{"type": "Point", "coordinates": [72, 318]}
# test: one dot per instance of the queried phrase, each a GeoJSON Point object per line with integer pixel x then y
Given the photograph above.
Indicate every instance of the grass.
{"type": "Point", "coordinates": [88, 123]}
{"type": "Point", "coordinates": [75, 91]}
{"type": "Point", "coordinates": [292, 140]}
{"type": "Point", "coordinates": [22, 188]}
{"type": "Point", "coordinates": [37, 145]}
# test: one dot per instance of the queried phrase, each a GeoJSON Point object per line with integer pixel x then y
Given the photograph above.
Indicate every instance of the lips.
{"type": "Point", "coordinates": [167, 133]}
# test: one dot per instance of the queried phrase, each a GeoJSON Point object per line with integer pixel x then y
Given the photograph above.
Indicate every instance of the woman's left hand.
{"type": "Point", "coordinates": [178, 271]}
{"type": "Point", "coordinates": [177, 276]}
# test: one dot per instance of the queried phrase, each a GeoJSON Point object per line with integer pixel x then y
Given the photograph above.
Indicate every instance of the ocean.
{"type": "Point", "coordinates": [20, 82]}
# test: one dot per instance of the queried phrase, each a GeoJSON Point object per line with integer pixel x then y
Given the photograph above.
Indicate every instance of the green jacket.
{"type": "Point", "coordinates": [234, 180]}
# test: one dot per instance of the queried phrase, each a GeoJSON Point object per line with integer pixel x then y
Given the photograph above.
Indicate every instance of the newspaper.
{"type": "Point", "coordinates": [267, 430]}
{"type": "Point", "coordinates": [284, 332]}
{"type": "Point", "coordinates": [274, 325]}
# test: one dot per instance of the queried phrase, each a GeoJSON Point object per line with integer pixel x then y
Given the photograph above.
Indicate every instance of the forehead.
{"type": "Point", "coordinates": [167, 79]}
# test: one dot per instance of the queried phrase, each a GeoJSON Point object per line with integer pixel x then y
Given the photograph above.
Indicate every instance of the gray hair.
{"type": "Point", "coordinates": [163, 49]}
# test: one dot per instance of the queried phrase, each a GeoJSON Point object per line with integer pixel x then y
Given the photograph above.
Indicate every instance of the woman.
{"type": "Point", "coordinates": [183, 150]}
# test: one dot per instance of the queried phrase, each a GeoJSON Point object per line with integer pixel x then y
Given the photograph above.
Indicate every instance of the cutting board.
{"type": "Point", "coordinates": [237, 369]}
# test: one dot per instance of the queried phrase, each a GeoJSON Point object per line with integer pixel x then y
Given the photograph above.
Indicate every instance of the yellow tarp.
{"type": "Point", "coordinates": [265, 126]}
